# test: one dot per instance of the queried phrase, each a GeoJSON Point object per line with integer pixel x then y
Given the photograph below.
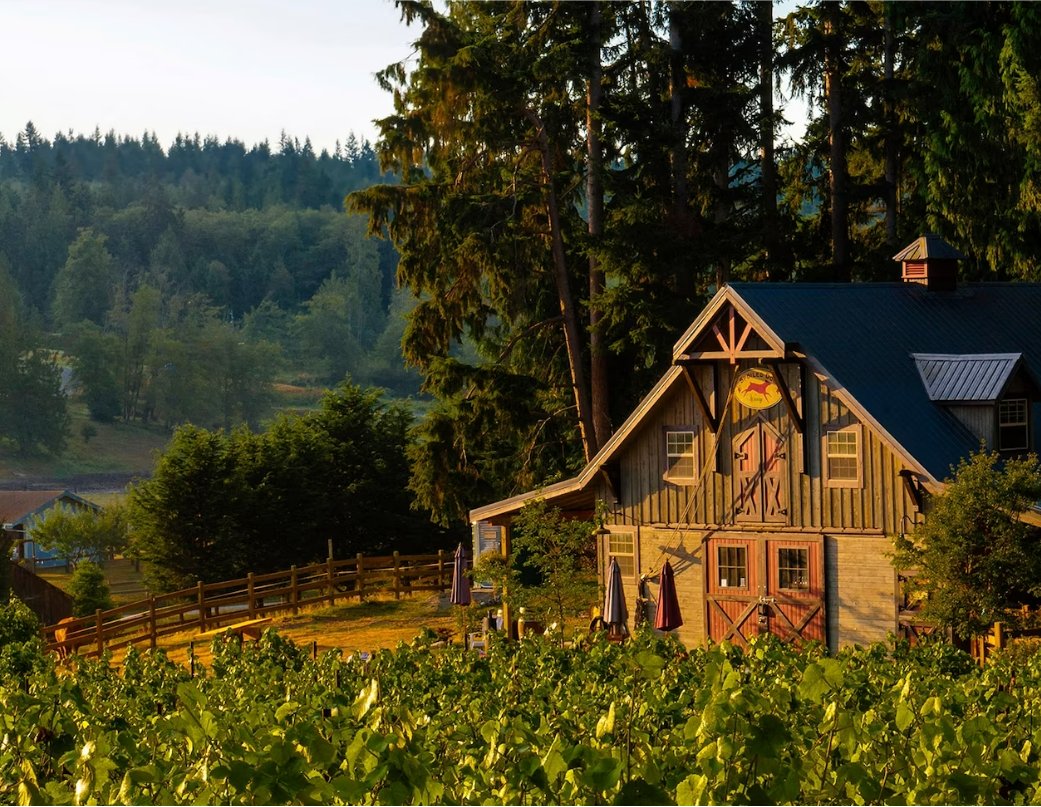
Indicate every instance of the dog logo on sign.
{"type": "Point", "coordinates": [757, 389]}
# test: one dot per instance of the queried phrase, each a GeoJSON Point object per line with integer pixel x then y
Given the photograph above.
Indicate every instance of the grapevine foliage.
{"type": "Point", "coordinates": [531, 723]}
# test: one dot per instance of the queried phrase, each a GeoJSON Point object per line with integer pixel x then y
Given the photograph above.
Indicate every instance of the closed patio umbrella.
{"type": "Point", "coordinates": [460, 582]}
{"type": "Point", "coordinates": [667, 617]}
{"type": "Point", "coordinates": [615, 613]}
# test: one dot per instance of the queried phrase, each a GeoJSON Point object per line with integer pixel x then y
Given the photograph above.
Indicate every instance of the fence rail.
{"type": "Point", "coordinates": [210, 605]}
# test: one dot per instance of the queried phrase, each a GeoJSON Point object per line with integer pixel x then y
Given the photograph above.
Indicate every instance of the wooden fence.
{"type": "Point", "coordinates": [209, 605]}
{"type": "Point", "coordinates": [47, 601]}
{"type": "Point", "coordinates": [998, 638]}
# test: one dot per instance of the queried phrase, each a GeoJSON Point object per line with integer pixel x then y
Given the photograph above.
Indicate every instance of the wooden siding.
{"type": "Point", "coordinates": [861, 602]}
{"type": "Point", "coordinates": [878, 505]}
{"type": "Point", "coordinates": [980, 420]}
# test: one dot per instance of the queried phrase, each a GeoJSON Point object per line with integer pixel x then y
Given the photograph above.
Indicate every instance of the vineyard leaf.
{"type": "Point", "coordinates": [904, 716]}
{"type": "Point", "coordinates": [768, 736]}
{"type": "Point", "coordinates": [605, 725]}
{"type": "Point", "coordinates": [651, 664]}
{"type": "Point", "coordinates": [553, 762]}
{"type": "Point", "coordinates": [490, 731]}
{"type": "Point", "coordinates": [637, 791]}
{"type": "Point", "coordinates": [814, 686]}
{"type": "Point", "coordinates": [286, 709]}
{"type": "Point", "coordinates": [603, 774]}
{"type": "Point", "coordinates": [365, 699]}
{"type": "Point", "coordinates": [690, 790]}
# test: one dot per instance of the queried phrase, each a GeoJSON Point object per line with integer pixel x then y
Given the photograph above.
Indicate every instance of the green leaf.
{"type": "Point", "coordinates": [904, 716]}
{"type": "Point", "coordinates": [651, 664]}
{"type": "Point", "coordinates": [553, 761]}
{"type": "Point", "coordinates": [637, 791]}
{"type": "Point", "coordinates": [691, 789]}
{"type": "Point", "coordinates": [285, 710]}
{"type": "Point", "coordinates": [605, 725]}
{"type": "Point", "coordinates": [366, 698]}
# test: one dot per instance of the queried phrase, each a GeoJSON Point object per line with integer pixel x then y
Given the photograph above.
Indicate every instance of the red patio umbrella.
{"type": "Point", "coordinates": [667, 617]}
{"type": "Point", "coordinates": [460, 582]}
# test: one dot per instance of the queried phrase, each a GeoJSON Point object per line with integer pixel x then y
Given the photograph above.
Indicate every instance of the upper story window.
{"type": "Point", "coordinates": [842, 457]}
{"type": "Point", "coordinates": [679, 453]}
{"type": "Point", "coordinates": [1012, 424]}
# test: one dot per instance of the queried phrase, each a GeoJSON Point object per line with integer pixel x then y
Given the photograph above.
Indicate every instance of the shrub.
{"type": "Point", "coordinates": [21, 648]}
{"type": "Point", "coordinates": [89, 590]}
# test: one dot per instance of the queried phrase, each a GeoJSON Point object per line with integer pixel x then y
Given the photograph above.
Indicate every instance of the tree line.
{"type": "Point", "coordinates": [177, 285]}
{"type": "Point", "coordinates": [577, 178]}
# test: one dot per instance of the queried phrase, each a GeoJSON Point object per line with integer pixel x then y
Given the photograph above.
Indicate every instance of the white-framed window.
{"type": "Point", "coordinates": [842, 457]}
{"type": "Point", "coordinates": [732, 566]}
{"type": "Point", "coordinates": [1013, 431]}
{"type": "Point", "coordinates": [622, 547]}
{"type": "Point", "coordinates": [679, 455]}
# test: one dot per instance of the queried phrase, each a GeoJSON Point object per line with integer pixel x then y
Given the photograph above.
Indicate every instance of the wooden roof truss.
{"type": "Point", "coordinates": [731, 337]}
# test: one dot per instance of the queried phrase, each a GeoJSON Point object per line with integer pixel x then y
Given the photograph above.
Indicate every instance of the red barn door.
{"type": "Point", "coordinates": [760, 584]}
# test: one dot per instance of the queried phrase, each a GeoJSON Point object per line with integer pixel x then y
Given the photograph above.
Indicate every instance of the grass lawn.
{"type": "Point", "coordinates": [128, 448]}
{"type": "Point", "coordinates": [368, 626]}
{"type": "Point", "coordinates": [379, 622]}
{"type": "Point", "coordinates": [124, 581]}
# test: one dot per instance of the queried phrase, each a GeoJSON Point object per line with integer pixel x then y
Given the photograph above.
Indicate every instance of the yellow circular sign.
{"type": "Point", "coordinates": [757, 389]}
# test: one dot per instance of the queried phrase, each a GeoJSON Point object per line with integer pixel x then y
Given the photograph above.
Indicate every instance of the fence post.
{"type": "Point", "coordinates": [440, 571]}
{"type": "Point", "coordinates": [397, 576]}
{"type": "Point", "coordinates": [202, 605]}
{"type": "Point", "coordinates": [329, 576]}
{"type": "Point", "coordinates": [294, 590]}
{"type": "Point", "coordinates": [250, 589]}
{"type": "Point", "coordinates": [151, 622]}
{"type": "Point", "coordinates": [99, 632]}
{"type": "Point", "coordinates": [359, 568]}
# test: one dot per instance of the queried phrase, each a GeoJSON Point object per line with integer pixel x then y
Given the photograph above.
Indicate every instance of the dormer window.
{"type": "Point", "coordinates": [1012, 424]}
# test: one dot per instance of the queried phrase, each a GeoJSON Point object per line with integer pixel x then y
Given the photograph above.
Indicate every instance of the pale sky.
{"type": "Point", "coordinates": [246, 69]}
{"type": "Point", "coordinates": [241, 68]}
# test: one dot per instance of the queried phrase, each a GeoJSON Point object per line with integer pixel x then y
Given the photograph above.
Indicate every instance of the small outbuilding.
{"type": "Point", "coordinates": [21, 510]}
{"type": "Point", "coordinates": [795, 434]}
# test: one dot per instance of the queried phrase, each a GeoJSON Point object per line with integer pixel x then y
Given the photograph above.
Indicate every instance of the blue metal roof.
{"type": "Point", "coordinates": [865, 335]}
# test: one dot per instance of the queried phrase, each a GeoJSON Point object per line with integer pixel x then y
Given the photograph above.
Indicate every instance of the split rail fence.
{"type": "Point", "coordinates": [210, 605]}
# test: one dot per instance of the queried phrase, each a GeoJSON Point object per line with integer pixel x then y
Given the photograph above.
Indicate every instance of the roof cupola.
{"type": "Point", "coordinates": [931, 262]}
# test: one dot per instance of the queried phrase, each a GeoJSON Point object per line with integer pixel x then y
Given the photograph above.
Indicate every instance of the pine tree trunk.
{"type": "Point", "coordinates": [599, 388]}
{"type": "Point", "coordinates": [838, 175]}
{"type": "Point", "coordinates": [767, 166]}
{"type": "Point", "coordinates": [569, 315]}
{"type": "Point", "coordinates": [678, 157]}
{"type": "Point", "coordinates": [891, 142]}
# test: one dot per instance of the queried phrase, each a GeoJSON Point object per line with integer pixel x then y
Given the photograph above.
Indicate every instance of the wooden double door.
{"type": "Point", "coordinates": [761, 475]}
{"type": "Point", "coordinates": [765, 584]}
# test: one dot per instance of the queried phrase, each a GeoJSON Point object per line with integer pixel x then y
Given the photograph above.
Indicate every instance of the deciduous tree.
{"type": "Point", "coordinates": [974, 556]}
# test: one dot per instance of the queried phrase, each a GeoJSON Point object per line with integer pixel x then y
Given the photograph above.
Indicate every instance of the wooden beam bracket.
{"type": "Point", "coordinates": [798, 418]}
{"type": "Point", "coordinates": [699, 398]}
{"type": "Point", "coordinates": [914, 489]}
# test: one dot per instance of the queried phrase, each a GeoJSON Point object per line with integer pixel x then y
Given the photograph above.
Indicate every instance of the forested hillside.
{"type": "Point", "coordinates": [179, 282]}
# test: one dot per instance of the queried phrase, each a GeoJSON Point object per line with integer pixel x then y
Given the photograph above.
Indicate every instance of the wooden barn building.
{"type": "Point", "coordinates": [799, 428]}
